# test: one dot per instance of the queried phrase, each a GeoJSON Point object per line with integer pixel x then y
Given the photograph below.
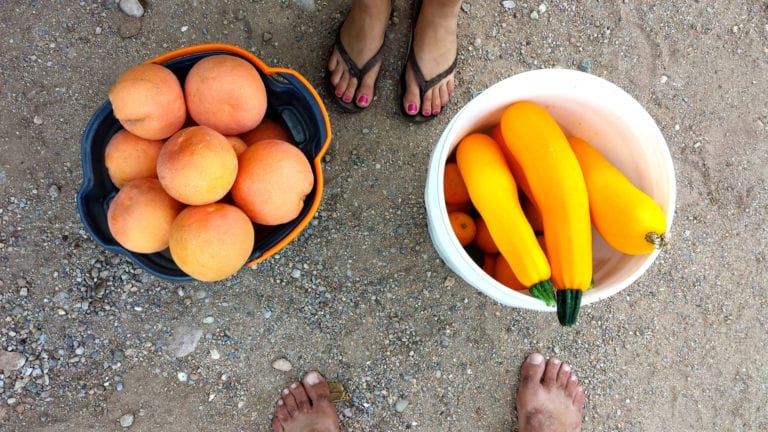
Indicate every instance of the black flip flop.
{"type": "Point", "coordinates": [424, 84]}
{"type": "Point", "coordinates": [356, 72]}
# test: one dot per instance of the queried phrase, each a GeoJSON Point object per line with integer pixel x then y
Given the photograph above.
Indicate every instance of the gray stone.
{"type": "Point", "coordinates": [10, 361]}
{"type": "Point", "coordinates": [132, 8]}
{"type": "Point", "coordinates": [183, 341]}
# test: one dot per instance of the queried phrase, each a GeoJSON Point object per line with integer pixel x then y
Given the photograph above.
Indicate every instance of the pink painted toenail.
{"type": "Point", "coordinates": [535, 358]}
{"type": "Point", "coordinates": [362, 100]}
{"type": "Point", "coordinates": [426, 113]}
{"type": "Point", "coordinates": [435, 112]}
{"type": "Point", "coordinates": [347, 99]}
{"type": "Point", "coordinates": [339, 94]}
{"type": "Point", "coordinates": [412, 108]}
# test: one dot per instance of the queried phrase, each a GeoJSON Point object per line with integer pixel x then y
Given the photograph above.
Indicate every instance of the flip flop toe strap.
{"type": "Point", "coordinates": [356, 71]}
{"type": "Point", "coordinates": [425, 84]}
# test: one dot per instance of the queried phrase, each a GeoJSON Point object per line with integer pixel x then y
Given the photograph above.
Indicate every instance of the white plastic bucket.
{"type": "Point", "coordinates": [585, 106]}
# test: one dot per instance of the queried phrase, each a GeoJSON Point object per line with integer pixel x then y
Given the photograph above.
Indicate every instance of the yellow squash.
{"type": "Point", "coordinates": [627, 218]}
{"type": "Point", "coordinates": [557, 188]}
{"type": "Point", "coordinates": [493, 192]}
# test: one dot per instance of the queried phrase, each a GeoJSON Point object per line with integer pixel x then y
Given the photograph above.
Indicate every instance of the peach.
{"type": "Point", "coordinates": [130, 157]}
{"type": "Point", "coordinates": [211, 242]}
{"type": "Point", "coordinates": [148, 101]}
{"type": "Point", "coordinates": [197, 165]}
{"type": "Point", "coordinates": [237, 144]}
{"type": "Point", "coordinates": [272, 182]}
{"type": "Point", "coordinates": [267, 129]}
{"type": "Point", "coordinates": [226, 93]}
{"type": "Point", "coordinates": [141, 214]}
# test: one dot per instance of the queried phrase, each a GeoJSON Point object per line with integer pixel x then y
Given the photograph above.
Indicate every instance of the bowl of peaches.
{"type": "Point", "coordinates": [203, 161]}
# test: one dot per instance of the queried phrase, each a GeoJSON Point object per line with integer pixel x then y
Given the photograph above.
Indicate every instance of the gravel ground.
{"type": "Point", "coordinates": [88, 341]}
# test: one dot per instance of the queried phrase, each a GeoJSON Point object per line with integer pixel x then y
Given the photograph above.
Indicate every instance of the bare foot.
{"type": "Point", "coordinates": [434, 47]}
{"type": "Point", "coordinates": [306, 406]}
{"type": "Point", "coordinates": [549, 398]}
{"type": "Point", "coordinates": [362, 35]}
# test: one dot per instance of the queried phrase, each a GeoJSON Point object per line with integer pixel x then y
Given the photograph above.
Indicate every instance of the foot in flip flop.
{"type": "Point", "coordinates": [429, 71]}
{"type": "Point", "coordinates": [356, 59]}
{"type": "Point", "coordinates": [305, 406]}
{"type": "Point", "coordinates": [549, 397]}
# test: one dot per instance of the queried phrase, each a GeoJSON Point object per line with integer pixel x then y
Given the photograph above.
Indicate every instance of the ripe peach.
{"type": "Point", "coordinates": [148, 101]}
{"type": "Point", "coordinates": [197, 165]}
{"type": "Point", "coordinates": [141, 214]}
{"type": "Point", "coordinates": [226, 93]}
{"type": "Point", "coordinates": [129, 157]}
{"type": "Point", "coordinates": [211, 242]}
{"type": "Point", "coordinates": [267, 129]}
{"type": "Point", "coordinates": [273, 179]}
{"type": "Point", "coordinates": [237, 144]}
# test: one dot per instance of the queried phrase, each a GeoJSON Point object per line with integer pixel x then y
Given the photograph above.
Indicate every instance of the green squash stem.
{"type": "Point", "coordinates": [544, 292]}
{"type": "Point", "coordinates": [568, 305]}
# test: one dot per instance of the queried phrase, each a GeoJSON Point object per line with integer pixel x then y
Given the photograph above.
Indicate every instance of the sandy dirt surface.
{"type": "Point", "coordinates": [362, 295]}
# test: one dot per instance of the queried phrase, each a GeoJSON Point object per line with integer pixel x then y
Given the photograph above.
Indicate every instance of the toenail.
{"type": "Point", "coordinates": [573, 377]}
{"type": "Point", "coordinates": [535, 358]}
{"type": "Point", "coordinates": [412, 108]}
{"type": "Point", "coordinates": [339, 94]}
{"type": "Point", "coordinates": [347, 99]}
{"type": "Point", "coordinates": [426, 113]}
{"type": "Point", "coordinates": [280, 402]}
{"type": "Point", "coordinates": [363, 100]}
{"type": "Point", "coordinates": [435, 112]}
{"type": "Point", "coordinates": [566, 368]}
{"type": "Point", "coordinates": [294, 385]}
{"type": "Point", "coordinates": [555, 361]}
{"type": "Point", "coordinates": [285, 391]}
{"type": "Point", "coordinates": [312, 378]}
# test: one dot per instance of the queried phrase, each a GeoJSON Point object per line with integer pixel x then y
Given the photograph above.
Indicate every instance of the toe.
{"type": "Point", "coordinates": [578, 399]}
{"type": "Point", "coordinates": [444, 96]}
{"type": "Point", "coordinates": [316, 387]}
{"type": "Point", "coordinates": [341, 84]}
{"type": "Point", "coordinates": [563, 375]}
{"type": "Point", "coordinates": [550, 374]}
{"type": "Point", "coordinates": [290, 402]}
{"type": "Point", "coordinates": [281, 413]}
{"type": "Point", "coordinates": [436, 103]}
{"type": "Point", "coordinates": [277, 426]}
{"type": "Point", "coordinates": [300, 395]}
{"type": "Point", "coordinates": [532, 370]}
{"type": "Point", "coordinates": [411, 101]}
{"type": "Point", "coordinates": [366, 89]}
{"type": "Point", "coordinates": [426, 104]}
{"type": "Point", "coordinates": [572, 387]}
{"type": "Point", "coordinates": [349, 92]}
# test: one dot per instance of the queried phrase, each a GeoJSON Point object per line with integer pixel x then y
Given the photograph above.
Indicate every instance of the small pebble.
{"type": "Point", "coordinates": [208, 320]}
{"type": "Point", "coordinates": [132, 8]}
{"type": "Point", "coordinates": [401, 405]}
{"type": "Point", "coordinates": [282, 364]}
{"type": "Point", "coordinates": [182, 376]}
{"type": "Point", "coordinates": [508, 4]}
{"type": "Point", "coordinates": [126, 420]}
{"type": "Point", "coordinates": [296, 273]}
{"type": "Point", "coordinates": [585, 65]}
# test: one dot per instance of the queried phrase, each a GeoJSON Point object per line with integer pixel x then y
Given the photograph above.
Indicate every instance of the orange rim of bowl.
{"type": "Point", "coordinates": [232, 49]}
